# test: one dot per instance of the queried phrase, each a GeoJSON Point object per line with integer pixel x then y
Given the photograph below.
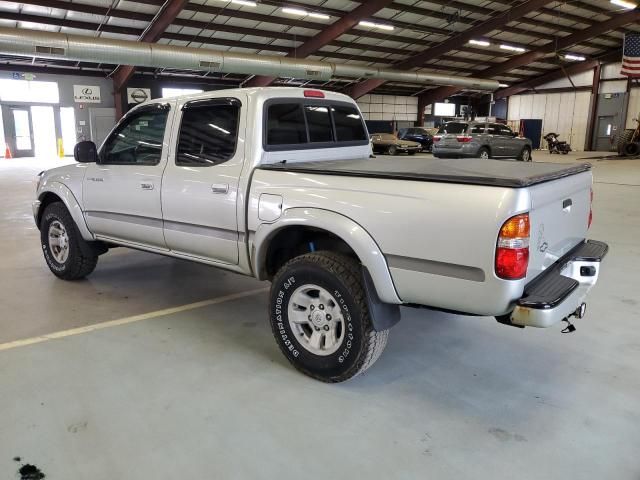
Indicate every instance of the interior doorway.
{"type": "Point", "coordinates": [44, 136]}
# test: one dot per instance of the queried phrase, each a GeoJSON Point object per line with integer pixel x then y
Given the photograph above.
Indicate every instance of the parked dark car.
{"type": "Point", "coordinates": [391, 145]}
{"type": "Point", "coordinates": [422, 135]}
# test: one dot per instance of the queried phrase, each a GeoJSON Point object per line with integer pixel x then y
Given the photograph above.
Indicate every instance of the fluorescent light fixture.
{"type": "Point", "coordinates": [246, 3]}
{"type": "Point", "coordinates": [304, 13]}
{"type": "Point", "coordinates": [511, 48]}
{"type": "Point", "coordinates": [381, 26]}
{"type": "Point", "coordinates": [503, 85]}
{"type": "Point", "coordinates": [624, 4]}
{"type": "Point", "coordinates": [577, 58]}
{"type": "Point", "coordinates": [294, 11]}
{"type": "Point", "coordinates": [482, 43]}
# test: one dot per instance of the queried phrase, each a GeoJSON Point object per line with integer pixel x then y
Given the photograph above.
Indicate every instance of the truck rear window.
{"type": "Point", "coordinates": [453, 127]}
{"type": "Point", "coordinates": [300, 124]}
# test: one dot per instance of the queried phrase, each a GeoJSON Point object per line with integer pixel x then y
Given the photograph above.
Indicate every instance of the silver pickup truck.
{"type": "Point", "coordinates": [480, 140]}
{"type": "Point", "coordinates": [277, 183]}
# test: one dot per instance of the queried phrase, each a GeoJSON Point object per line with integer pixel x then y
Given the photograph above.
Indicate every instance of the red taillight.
{"type": "Point", "coordinates": [437, 139]}
{"type": "Point", "coordinates": [314, 94]}
{"type": "Point", "coordinates": [590, 211]}
{"type": "Point", "coordinates": [512, 250]}
{"type": "Point", "coordinates": [464, 139]}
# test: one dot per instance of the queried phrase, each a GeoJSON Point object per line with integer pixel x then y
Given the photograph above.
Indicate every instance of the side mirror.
{"type": "Point", "coordinates": [86, 152]}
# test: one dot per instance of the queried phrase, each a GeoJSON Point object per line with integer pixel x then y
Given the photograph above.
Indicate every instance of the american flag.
{"type": "Point", "coordinates": [631, 55]}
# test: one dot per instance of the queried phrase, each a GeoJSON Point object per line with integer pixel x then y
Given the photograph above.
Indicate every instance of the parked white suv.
{"type": "Point", "coordinates": [277, 183]}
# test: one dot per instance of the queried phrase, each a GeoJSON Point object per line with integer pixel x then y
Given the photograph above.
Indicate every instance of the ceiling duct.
{"type": "Point", "coordinates": [79, 48]}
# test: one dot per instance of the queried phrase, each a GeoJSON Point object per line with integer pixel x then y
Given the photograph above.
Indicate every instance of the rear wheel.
{"type": "Point", "coordinates": [632, 149]}
{"type": "Point", "coordinates": [623, 139]}
{"type": "Point", "coordinates": [320, 318]}
{"type": "Point", "coordinates": [67, 254]}
{"type": "Point", "coordinates": [392, 150]}
{"type": "Point", "coordinates": [484, 153]}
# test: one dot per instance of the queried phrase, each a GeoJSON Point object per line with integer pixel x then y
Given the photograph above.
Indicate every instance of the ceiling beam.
{"type": "Point", "coordinates": [454, 42]}
{"type": "Point", "coordinates": [558, 74]}
{"type": "Point", "coordinates": [326, 36]}
{"type": "Point", "coordinates": [167, 14]}
{"type": "Point", "coordinates": [616, 21]}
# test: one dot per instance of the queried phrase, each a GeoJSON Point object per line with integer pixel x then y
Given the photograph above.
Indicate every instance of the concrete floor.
{"type": "Point", "coordinates": [205, 393]}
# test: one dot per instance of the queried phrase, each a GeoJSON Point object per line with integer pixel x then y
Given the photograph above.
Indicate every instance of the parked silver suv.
{"type": "Point", "coordinates": [480, 139]}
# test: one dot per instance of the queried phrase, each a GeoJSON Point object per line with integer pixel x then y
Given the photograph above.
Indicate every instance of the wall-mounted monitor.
{"type": "Point", "coordinates": [444, 109]}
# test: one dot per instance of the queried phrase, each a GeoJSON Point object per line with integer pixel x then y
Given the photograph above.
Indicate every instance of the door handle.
{"type": "Point", "coordinates": [146, 185]}
{"type": "Point", "coordinates": [220, 188]}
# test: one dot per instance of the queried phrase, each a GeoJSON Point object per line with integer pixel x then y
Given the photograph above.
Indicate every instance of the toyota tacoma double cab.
{"type": "Point", "coordinates": [279, 184]}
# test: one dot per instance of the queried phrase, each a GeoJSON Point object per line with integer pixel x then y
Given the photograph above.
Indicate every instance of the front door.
{"type": "Point", "coordinates": [200, 186]}
{"type": "Point", "coordinates": [604, 133]}
{"type": "Point", "coordinates": [122, 192]}
{"type": "Point", "coordinates": [18, 131]}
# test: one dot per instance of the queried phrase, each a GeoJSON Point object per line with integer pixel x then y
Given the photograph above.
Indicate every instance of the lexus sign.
{"type": "Point", "coordinates": [86, 94]}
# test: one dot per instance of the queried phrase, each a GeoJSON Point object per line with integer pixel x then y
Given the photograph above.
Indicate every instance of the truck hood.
{"type": "Point", "coordinates": [474, 171]}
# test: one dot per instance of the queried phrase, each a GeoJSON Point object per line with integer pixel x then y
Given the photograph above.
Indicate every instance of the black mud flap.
{"type": "Point", "coordinates": [383, 315]}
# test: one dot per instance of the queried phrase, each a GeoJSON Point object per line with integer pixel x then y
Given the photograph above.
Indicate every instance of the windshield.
{"type": "Point", "coordinates": [453, 127]}
{"type": "Point", "coordinates": [385, 136]}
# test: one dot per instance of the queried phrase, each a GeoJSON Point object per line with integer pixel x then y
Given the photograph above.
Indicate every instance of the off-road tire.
{"type": "Point", "coordinates": [82, 258]}
{"type": "Point", "coordinates": [342, 277]}
{"type": "Point", "coordinates": [623, 139]}
{"type": "Point", "coordinates": [522, 155]}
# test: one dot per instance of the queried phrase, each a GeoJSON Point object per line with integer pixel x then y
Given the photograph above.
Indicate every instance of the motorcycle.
{"type": "Point", "coordinates": [555, 145]}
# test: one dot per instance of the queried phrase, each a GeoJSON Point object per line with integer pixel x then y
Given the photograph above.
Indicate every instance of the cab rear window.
{"type": "Point", "coordinates": [295, 124]}
{"type": "Point", "coordinates": [453, 127]}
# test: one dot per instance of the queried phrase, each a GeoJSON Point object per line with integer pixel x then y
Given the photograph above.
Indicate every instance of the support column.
{"type": "Point", "coordinates": [421, 106]}
{"type": "Point", "coordinates": [593, 108]}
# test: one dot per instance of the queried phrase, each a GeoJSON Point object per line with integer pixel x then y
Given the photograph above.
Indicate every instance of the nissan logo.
{"type": "Point", "coordinates": [139, 95]}
{"type": "Point", "coordinates": [87, 91]}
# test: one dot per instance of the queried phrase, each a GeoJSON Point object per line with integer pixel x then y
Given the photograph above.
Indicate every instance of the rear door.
{"type": "Point", "coordinates": [200, 185]}
{"type": "Point", "coordinates": [511, 145]}
{"type": "Point", "coordinates": [495, 139]}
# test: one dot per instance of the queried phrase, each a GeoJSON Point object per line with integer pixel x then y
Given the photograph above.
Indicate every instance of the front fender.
{"type": "Point", "coordinates": [343, 227]}
{"type": "Point", "coordinates": [70, 201]}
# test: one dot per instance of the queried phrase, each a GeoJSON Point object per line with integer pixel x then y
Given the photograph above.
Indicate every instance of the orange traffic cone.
{"type": "Point", "coordinates": [7, 152]}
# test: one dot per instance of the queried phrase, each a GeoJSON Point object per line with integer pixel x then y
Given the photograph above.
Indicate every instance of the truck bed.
{"type": "Point", "coordinates": [472, 171]}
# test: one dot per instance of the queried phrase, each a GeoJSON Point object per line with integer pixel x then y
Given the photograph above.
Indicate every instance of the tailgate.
{"type": "Point", "coordinates": [559, 219]}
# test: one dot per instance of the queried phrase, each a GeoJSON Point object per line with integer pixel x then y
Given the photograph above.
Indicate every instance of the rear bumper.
{"type": "Point", "coordinates": [561, 290]}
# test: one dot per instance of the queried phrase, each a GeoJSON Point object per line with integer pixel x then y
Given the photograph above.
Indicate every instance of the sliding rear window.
{"type": "Point", "coordinates": [297, 124]}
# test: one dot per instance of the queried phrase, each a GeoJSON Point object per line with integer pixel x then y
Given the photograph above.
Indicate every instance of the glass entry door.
{"type": "Point", "coordinates": [18, 131]}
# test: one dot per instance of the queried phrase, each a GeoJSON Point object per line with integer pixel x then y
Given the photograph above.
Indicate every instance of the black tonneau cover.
{"type": "Point", "coordinates": [474, 171]}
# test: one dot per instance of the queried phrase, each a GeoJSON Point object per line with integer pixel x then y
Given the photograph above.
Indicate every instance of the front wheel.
{"type": "Point", "coordinates": [525, 155]}
{"type": "Point", "coordinates": [392, 150]}
{"type": "Point", "coordinates": [67, 254]}
{"type": "Point", "coordinates": [411, 153]}
{"type": "Point", "coordinates": [320, 318]}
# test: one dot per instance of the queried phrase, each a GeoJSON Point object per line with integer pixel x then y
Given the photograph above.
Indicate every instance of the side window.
{"type": "Point", "coordinates": [138, 140]}
{"type": "Point", "coordinates": [319, 123]}
{"type": "Point", "coordinates": [505, 131]}
{"type": "Point", "coordinates": [493, 129]}
{"type": "Point", "coordinates": [477, 129]}
{"type": "Point", "coordinates": [349, 124]}
{"type": "Point", "coordinates": [285, 124]}
{"type": "Point", "coordinates": [208, 135]}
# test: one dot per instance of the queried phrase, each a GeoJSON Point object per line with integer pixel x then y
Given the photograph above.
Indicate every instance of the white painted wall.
{"type": "Point", "coordinates": [388, 107]}
{"type": "Point", "coordinates": [634, 108]}
{"type": "Point", "coordinates": [563, 113]}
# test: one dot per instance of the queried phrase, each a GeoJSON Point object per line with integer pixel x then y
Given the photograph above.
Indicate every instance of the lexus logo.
{"type": "Point", "coordinates": [87, 91]}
